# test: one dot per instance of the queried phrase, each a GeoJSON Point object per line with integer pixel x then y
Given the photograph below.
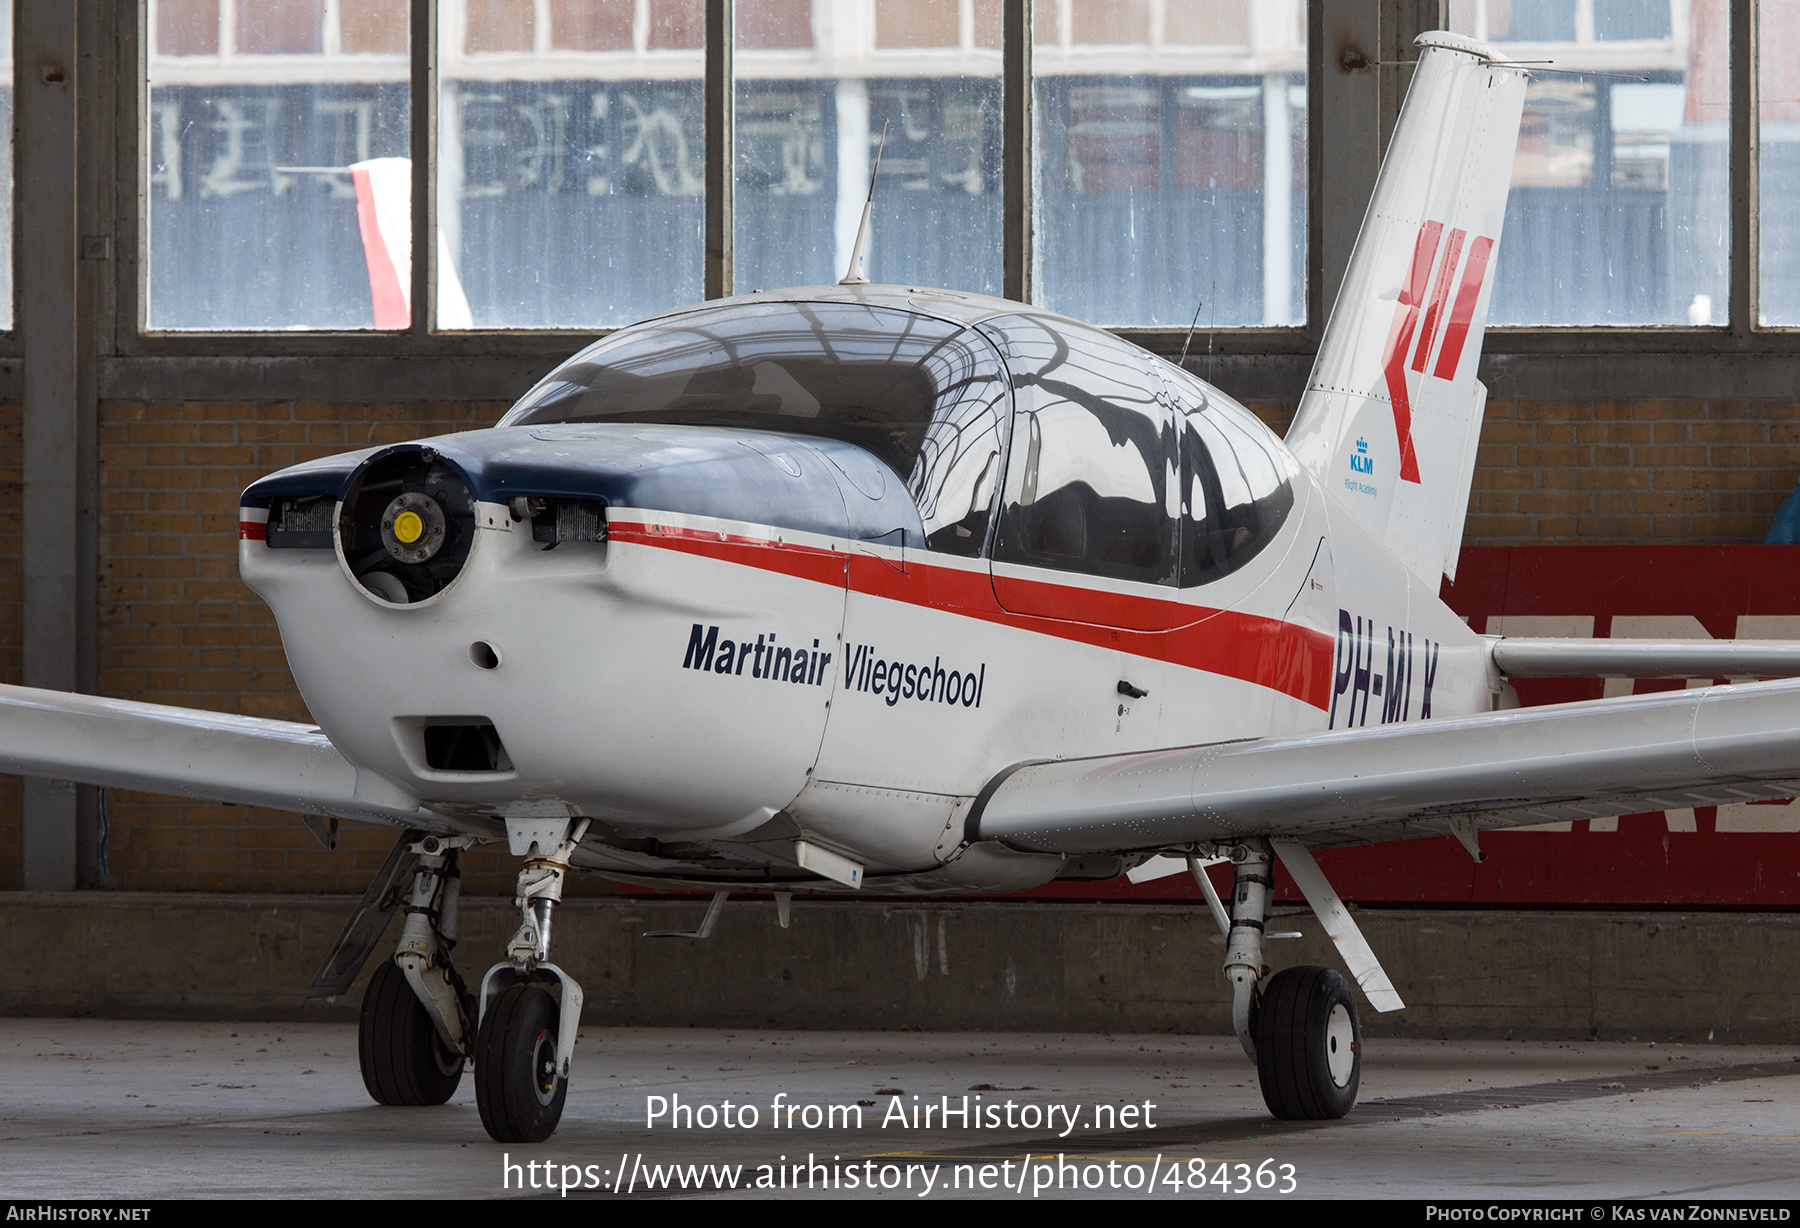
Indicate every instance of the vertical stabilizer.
{"type": "Point", "coordinates": [1392, 411]}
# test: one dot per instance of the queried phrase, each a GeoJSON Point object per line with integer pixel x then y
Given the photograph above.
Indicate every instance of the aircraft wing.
{"type": "Point", "coordinates": [1510, 768]}
{"type": "Point", "coordinates": [190, 753]}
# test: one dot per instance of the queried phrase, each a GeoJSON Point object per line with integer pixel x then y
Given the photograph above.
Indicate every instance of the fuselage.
{"type": "Point", "coordinates": [721, 587]}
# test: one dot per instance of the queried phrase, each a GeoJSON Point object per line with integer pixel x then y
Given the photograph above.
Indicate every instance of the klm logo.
{"type": "Point", "coordinates": [1361, 461]}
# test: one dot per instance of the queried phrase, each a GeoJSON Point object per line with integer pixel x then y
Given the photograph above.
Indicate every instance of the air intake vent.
{"type": "Point", "coordinates": [301, 522]}
{"type": "Point", "coordinates": [465, 748]}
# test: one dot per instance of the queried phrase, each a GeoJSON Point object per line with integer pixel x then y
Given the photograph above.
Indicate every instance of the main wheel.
{"type": "Point", "coordinates": [517, 1085]}
{"type": "Point", "coordinates": [1308, 1044]}
{"type": "Point", "coordinates": [404, 1060]}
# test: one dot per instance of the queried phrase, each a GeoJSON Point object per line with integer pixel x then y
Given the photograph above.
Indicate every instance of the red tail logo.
{"type": "Point", "coordinates": [1406, 318]}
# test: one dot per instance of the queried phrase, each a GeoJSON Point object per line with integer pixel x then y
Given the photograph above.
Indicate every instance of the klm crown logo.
{"type": "Point", "coordinates": [1362, 462]}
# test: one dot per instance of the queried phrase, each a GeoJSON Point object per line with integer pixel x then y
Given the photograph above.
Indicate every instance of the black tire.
{"type": "Point", "coordinates": [404, 1060]}
{"type": "Point", "coordinates": [1308, 1044]}
{"type": "Point", "coordinates": [517, 1086]}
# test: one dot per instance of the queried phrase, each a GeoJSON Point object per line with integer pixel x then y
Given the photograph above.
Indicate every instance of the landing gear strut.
{"type": "Point", "coordinates": [527, 1037]}
{"type": "Point", "coordinates": [1299, 1026]}
{"type": "Point", "coordinates": [417, 1016]}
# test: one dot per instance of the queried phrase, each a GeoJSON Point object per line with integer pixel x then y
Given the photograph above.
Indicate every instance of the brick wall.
{"type": "Point", "coordinates": [1621, 472]}
{"type": "Point", "coordinates": [176, 625]}
{"type": "Point", "coordinates": [1625, 472]}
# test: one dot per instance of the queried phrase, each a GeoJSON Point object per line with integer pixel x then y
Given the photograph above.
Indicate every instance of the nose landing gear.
{"type": "Point", "coordinates": [519, 1084]}
{"type": "Point", "coordinates": [527, 1037]}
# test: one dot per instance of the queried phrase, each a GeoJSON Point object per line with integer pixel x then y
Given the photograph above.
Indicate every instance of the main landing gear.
{"type": "Point", "coordinates": [1299, 1026]}
{"type": "Point", "coordinates": [417, 1016]}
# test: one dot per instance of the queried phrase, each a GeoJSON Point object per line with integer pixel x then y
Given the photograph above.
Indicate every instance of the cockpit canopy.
{"type": "Point", "coordinates": [1119, 465]}
{"type": "Point", "coordinates": [925, 396]}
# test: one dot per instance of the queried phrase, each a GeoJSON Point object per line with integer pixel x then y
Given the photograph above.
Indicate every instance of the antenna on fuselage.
{"type": "Point", "coordinates": [1182, 361]}
{"type": "Point", "coordinates": [857, 274]}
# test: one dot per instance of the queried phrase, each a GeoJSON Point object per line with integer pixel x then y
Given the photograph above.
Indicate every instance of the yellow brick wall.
{"type": "Point", "coordinates": [176, 626]}
{"type": "Point", "coordinates": [1623, 472]}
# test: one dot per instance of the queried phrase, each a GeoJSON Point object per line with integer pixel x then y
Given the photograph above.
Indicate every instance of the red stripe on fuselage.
{"type": "Point", "coordinates": [1268, 652]}
{"type": "Point", "coordinates": [802, 562]}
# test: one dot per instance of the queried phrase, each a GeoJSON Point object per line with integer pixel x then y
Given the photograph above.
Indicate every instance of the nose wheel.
{"type": "Point", "coordinates": [518, 1085]}
{"type": "Point", "coordinates": [1308, 1044]}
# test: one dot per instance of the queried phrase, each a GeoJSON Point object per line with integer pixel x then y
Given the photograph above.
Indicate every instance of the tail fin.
{"type": "Point", "coordinates": [1392, 411]}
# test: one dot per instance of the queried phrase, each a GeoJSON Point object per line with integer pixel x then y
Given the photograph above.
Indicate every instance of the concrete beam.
{"type": "Point", "coordinates": [994, 965]}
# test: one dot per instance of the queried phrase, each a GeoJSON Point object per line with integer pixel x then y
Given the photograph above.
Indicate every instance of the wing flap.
{"type": "Point", "coordinates": [213, 755]}
{"type": "Point", "coordinates": [1500, 769]}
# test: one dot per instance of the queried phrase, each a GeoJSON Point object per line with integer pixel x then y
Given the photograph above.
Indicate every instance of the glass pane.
{"type": "Point", "coordinates": [571, 173]}
{"type": "Point", "coordinates": [277, 146]}
{"type": "Point", "coordinates": [1170, 156]}
{"type": "Point", "coordinates": [1091, 486]}
{"type": "Point", "coordinates": [6, 171]}
{"type": "Point", "coordinates": [1236, 481]}
{"type": "Point", "coordinates": [1778, 119]}
{"type": "Point", "coordinates": [1620, 205]}
{"type": "Point", "coordinates": [818, 83]}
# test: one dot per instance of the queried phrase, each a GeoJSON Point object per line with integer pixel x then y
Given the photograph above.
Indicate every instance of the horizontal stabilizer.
{"type": "Point", "coordinates": [212, 755]}
{"type": "Point", "coordinates": [1578, 658]}
{"type": "Point", "coordinates": [1603, 757]}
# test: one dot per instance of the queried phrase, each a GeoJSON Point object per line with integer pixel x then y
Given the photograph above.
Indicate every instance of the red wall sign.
{"type": "Point", "coordinates": [1744, 856]}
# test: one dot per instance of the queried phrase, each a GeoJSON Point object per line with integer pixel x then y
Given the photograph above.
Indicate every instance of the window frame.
{"type": "Point", "coordinates": [1351, 104]}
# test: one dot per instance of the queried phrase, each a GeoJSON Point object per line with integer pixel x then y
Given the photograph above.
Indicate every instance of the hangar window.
{"type": "Point", "coordinates": [1620, 206]}
{"type": "Point", "coordinates": [821, 89]}
{"type": "Point", "coordinates": [1778, 143]}
{"type": "Point", "coordinates": [1171, 161]}
{"type": "Point", "coordinates": [571, 161]}
{"type": "Point", "coordinates": [1168, 171]}
{"type": "Point", "coordinates": [276, 140]}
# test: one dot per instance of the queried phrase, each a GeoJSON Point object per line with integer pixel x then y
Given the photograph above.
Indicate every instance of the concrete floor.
{"type": "Point", "coordinates": [98, 1109]}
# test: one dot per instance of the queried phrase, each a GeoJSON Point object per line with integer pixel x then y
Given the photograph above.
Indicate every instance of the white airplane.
{"type": "Point", "coordinates": [866, 587]}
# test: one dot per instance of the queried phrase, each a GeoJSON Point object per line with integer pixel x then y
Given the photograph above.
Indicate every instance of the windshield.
{"type": "Point", "coordinates": [924, 395]}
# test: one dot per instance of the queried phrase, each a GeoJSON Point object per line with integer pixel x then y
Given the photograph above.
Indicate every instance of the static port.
{"type": "Point", "coordinates": [482, 653]}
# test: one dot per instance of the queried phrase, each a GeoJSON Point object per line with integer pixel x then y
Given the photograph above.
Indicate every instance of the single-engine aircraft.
{"type": "Point", "coordinates": [871, 587]}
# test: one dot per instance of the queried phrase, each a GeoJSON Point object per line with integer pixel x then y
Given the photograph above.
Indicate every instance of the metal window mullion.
{"type": "Point", "coordinates": [45, 50]}
{"type": "Point", "coordinates": [720, 168]}
{"type": "Point", "coordinates": [423, 145]}
{"type": "Point", "coordinates": [1745, 205]}
{"type": "Point", "coordinates": [1015, 150]}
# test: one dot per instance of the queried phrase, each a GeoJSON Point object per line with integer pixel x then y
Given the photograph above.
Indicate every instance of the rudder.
{"type": "Point", "coordinates": [1392, 411]}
